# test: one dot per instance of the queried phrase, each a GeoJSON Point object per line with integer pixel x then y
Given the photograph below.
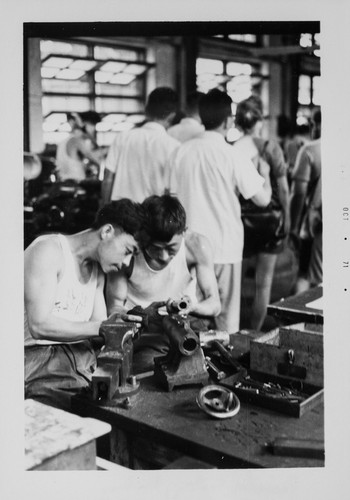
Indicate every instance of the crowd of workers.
{"type": "Point", "coordinates": [169, 225]}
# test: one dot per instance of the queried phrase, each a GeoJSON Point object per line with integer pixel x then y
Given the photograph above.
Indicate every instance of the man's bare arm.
{"type": "Point", "coordinates": [42, 263]}
{"type": "Point", "coordinates": [116, 292]}
{"type": "Point", "coordinates": [263, 197]}
{"type": "Point", "coordinates": [297, 202]}
{"type": "Point", "coordinates": [283, 195]}
{"type": "Point", "coordinates": [199, 255]}
{"type": "Point", "coordinates": [100, 310]}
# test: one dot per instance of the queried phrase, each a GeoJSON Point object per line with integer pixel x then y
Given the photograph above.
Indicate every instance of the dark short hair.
{"type": "Point", "coordinates": [124, 214]}
{"type": "Point", "coordinates": [214, 108]}
{"type": "Point", "coordinates": [164, 216]}
{"type": "Point", "coordinates": [248, 113]}
{"type": "Point", "coordinates": [161, 103]}
{"type": "Point", "coordinates": [192, 101]}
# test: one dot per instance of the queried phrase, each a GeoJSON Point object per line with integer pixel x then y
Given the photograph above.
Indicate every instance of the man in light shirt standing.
{"type": "Point", "coordinates": [137, 159]}
{"type": "Point", "coordinates": [208, 175]}
{"type": "Point", "coordinates": [191, 125]}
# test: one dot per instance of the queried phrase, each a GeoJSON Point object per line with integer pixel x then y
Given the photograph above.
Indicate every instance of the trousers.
{"type": "Point", "coordinates": [53, 373]}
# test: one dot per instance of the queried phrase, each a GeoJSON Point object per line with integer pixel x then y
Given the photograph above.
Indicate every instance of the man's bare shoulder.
{"type": "Point", "coordinates": [47, 248]}
{"type": "Point", "coordinates": [197, 247]}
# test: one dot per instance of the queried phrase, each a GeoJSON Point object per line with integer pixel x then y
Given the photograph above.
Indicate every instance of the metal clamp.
{"type": "Point", "coordinates": [218, 401]}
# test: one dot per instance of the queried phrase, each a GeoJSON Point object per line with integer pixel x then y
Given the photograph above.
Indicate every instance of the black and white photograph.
{"type": "Point", "coordinates": [181, 232]}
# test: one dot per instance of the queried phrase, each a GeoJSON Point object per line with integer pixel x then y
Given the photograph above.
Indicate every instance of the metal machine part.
{"type": "Point", "coordinates": [209, 336]}
{"type": "Point", "coordinates": [185, 363]}
{"type": "Point", "coordinates": [180, 306]}
{"type": "Point", "coordinates": [112, 381]}
{"type": "Point", "coordinates": [218, 402]}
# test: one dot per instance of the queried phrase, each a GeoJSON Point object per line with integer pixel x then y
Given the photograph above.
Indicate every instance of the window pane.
{"type": "Point", "coordinates": [110, 105]}
{"type": "Point", "coordinates": [239, 88]}
{"type": "Point", "coordinates": [134, 88]}
{"type": "Point", "coordinates": [55, 47]}
{"type": "Point", "coordinates": [304, 94]}
{"type": "Point", "coordinates": [64, 86]}
{"type": "Point", "coordinates": [316, 97]}
{"type": "Point", "coordinates": [305, 40]}
{"type": "Point", "coordinates": [209, 66]}
{"type": "Point", "coordinates": [116, 53]}
{"type": "Point", "coordinates": [243, 38]}
{"type": "Point", "coordinates": [234, 68]}
{"type": "Point", "coordinates": [64, 103]}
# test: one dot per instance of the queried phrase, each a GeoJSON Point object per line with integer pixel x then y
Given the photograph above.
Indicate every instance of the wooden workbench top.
{"type": "Point", "coordinates": [173, 419]}
{"type": "Point", "coordinates": [50, 432]}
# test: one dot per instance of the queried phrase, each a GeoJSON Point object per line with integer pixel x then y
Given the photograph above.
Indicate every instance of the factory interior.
{"type": "Point", "coordinates": [219, 396]}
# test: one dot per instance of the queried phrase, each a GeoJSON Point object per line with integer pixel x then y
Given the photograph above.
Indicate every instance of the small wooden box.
{"type": "Point", "coordinates": [294, 352]}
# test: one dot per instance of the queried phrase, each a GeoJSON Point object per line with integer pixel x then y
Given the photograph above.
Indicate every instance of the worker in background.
{"type": "Point", "coordinates": [172, 263]}
{"type": "Point", "coordinates": [306, 209]}
{"type": "Point", "coordinates": [64, 301]}
{"type": "Point", "coordinates": [207, 175]}
{"type": "Point", "coordinates": [249, 119]}
{"type": "Point", "coordinates": [137, 159]}
{"type": "Point", "coordinates": [79, 149]}
{"type": "Point", "coordinates": [293, 145]}
{"type": "Point", "coordinates": [190, 126]}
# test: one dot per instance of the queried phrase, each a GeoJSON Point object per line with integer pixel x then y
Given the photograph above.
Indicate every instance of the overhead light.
{"type": "Point", "coordinates": [57, 62]}
{"type": "Point", "coordinates": [114, 117]}
{"type": "Point", "coordinates": [102, 76]}
{"type": "Point", "coordinates": [122, 79]}
{"type": "Point", "coordinates": [82, 64]}
{"type": "Point", "coordinates": [49, 72]}
{"type": "Point", "coordinates": [113, 67]}
{"type": "Point", "coordinates": [70, 74]}
{"type": "Point", "coordinates": [135, 69]}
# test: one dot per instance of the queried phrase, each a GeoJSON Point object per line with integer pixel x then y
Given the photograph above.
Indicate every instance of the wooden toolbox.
{"type": "Point", "coordinates": [290, 357]}
{"type": "Point", "coordinates": [294, 351]}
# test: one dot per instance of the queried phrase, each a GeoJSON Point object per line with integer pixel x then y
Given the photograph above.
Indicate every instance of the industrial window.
{"type": "Point", "coordinates": [308, 97]}
{"type": "Point", "coordinates": [82, 76]}
{"type": "Point", "coordinates": [309, 84]}
{"type": "Point", "coordinates": [238, 79]}
{"type": "Point", "coordinates": [246, 38]}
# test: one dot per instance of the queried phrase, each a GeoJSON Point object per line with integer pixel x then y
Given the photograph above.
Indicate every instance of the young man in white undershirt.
{"type": "Point", "coordinates": [64, 301]}
{"type": "Point", "coordinates": [172, 262]}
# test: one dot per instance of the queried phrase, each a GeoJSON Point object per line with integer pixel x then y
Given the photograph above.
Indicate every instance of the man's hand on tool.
{"type": "Point", "coordinates": [124, 317]}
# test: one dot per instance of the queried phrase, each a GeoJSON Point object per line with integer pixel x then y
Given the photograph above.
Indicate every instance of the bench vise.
{"type": "Point", "coordinates": [112, 380]}
{"type": "Point", "coordinates": [185, 362]}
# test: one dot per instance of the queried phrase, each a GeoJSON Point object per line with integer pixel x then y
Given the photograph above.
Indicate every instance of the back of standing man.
{"type": "Point", "coordinates": [137, 159]}
{"type": "Point", "coordinates": [207, 175]}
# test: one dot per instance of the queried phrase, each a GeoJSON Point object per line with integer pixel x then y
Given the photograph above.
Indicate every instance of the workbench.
{"type": "Point", "coordinates": [305, 306]}
{"type": "Point", "coordinates": [58, 440]}
{"type": "Point", "coordinates": [161, 426]}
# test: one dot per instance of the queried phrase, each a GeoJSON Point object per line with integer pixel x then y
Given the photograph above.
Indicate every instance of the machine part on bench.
{"type": "Point", "coordinates": [218, 402]}
{"type": "Point", "coordinates": [213, 370]}
{"type": "Point", "coordinates": [112, 380]}
{"type": "Point", "coordinates": [185, 363]}
{"type": "Point", "coordinates": [206, 338]}
{"type": "Point", "coordinates": [180, 306]}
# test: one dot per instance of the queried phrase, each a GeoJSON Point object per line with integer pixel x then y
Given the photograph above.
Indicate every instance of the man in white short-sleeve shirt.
{"type": "Point", "coordinates": [137, 159]}
{"type": "Point", "coordinates": [190, 126]}
{"type": "Point", "coordinates": [208, 175]}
